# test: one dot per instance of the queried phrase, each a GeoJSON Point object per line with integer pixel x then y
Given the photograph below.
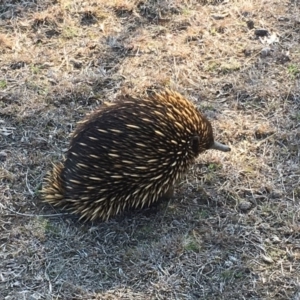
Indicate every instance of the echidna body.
{"type": "Point", "coordinates": [129, 154]}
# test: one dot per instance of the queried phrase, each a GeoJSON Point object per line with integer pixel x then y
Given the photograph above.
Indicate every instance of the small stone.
{"type": "Point", "coordinates": [261, 32]}
{"type": "Point", "coordinates": [228, 263]}
{"type": "Point", "coordinates": [247, 52]}
{"type": "Point", "coordinates": [219, 16]}
{"type": "Point", "coordinates": [245, 206]}
{"type": "Point", "coordinates": [76, 63]}
{"type": "Point", "coordinates": [250, 24]}
{"type": "Point", "coordinates": [3, 155]}
{"type": "Point", "coordinates": [265, 52]}
{"type": "Point", "coordinates": [282, 58]}
{"type": "Point", "coordinates": [275, 239]}
{"type": "Point", "coordinates": [232, 258]}
{"type": "Point", "coordinates": [267, 259]}
{"type": "Point", "coordinates": [283, 19]}
{"type": "Point", "coordinates": [17, 65]}
{"type": "Point", "coordinates": [223, 214]}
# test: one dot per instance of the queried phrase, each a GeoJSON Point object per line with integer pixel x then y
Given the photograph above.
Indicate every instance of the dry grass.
{"type": "Point", "coordinates": [233, 229]}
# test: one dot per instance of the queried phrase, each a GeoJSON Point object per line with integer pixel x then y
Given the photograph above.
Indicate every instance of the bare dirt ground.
{"type": "Point", "coordinates": [232, 230]}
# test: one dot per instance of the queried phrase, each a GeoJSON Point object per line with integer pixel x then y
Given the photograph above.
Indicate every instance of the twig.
{"type": "Point", "coordinates": [29, 189]}
{"type": "Point", "coordinates": [31, 215]}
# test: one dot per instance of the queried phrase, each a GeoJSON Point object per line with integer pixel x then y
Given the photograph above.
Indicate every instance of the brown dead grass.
{"type": "Point", "coordinates": [233, 229]}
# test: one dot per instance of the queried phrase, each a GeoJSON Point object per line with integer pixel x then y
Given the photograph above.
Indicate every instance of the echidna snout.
{"type": "Point", "coordinates": [219, 146]}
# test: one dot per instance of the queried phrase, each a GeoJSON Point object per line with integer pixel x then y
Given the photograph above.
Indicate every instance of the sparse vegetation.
{"type": "Point", "coordinates": [3, 84]}
{"type": "Point", "coordinates": [293, 70]}
{"type": "Point", "coordinates": [232, 231]}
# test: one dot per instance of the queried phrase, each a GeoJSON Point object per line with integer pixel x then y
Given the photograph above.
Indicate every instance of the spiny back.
{"type": "Point", "coordinates": [129, 154]}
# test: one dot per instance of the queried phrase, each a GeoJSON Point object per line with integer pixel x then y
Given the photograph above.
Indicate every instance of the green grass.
{"type": "Point", "coordinates": [3, 84]}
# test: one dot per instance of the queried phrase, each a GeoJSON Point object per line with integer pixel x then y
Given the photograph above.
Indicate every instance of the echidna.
{"type": "Point", "coordinates": [129, 154]}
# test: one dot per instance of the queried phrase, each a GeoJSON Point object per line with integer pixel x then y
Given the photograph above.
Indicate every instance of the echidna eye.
{"type": "Point", "coordinates": [195, 144]}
